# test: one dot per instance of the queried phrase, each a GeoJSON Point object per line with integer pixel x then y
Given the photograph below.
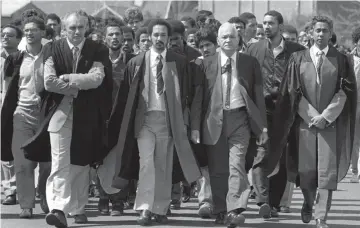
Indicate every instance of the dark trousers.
{"type": "Point", "coordinates": [277, 184]}
{"type": "Point", "coordinates": [322, 200]}
{"type": "Point", "coordinates": [115, 199]}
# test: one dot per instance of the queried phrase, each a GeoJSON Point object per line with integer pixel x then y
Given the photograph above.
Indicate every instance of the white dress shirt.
{"type": "Point", "coordinates": [236, 99]}
{"type": "Point", "coordinates": [314, 50]}
{"type": "Point", "coordinates": [279, 48]}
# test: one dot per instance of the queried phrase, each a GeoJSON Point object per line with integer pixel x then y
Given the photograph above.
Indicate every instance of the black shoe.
{"type": "Point", "coordinates": [117, 209]}
{"type": "Point", "coordinates": [103, 206]}
{"type": "Point", "coordinates": [162, 219]}
{"type": "Point", "coordinates": [56, 218]}
{"type": "Point", "coordinates": [9, 200]}
{"type": "Point", "coordinates": [321, 224]}
{"type": "Point", "coordinates": [274, 212]}
{"type": "Point", "coordinates": [186, 194]}
{"type": "Point", "coordinates": [175, 204]}
{"type": "Point", "coordinates": [144, 218]}
{"type": "Point", "coordinates": [306, 213]}
{"type": "Point", "coordinates": [220, 218]}
{"type": "Point", "coordinates": [80, 219]}
{"type": "Point", "coordinates": [168, 212]}
{"type": "Point", "coordinates": [234, 219]}
{"type": "Point", "coordinates": [43, 204]}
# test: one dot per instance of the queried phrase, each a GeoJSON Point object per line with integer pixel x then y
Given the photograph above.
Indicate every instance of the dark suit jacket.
{"type": "Point", "coordinates": [203, 111]}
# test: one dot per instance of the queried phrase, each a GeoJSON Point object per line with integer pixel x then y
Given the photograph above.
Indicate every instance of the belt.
{"type": "Point", "coordinates": [243, 108]}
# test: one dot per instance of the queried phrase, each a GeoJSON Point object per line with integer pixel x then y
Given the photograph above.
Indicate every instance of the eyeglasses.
{"type": "Point", "coordinates": [32, 30]}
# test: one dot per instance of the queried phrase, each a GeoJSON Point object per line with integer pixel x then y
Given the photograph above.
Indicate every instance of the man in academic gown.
{"type": "Point", "coordinates": [147, 121]}
{"type": "Point", "coordinates": [316, 114]}
{"type": "Point", "coordinates": [227, 109]}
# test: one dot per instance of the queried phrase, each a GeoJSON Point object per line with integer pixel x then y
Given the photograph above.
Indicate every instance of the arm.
{"type": "Point", "coordinates": [91, 80]}
{"type": "Point", "coordinates": [196, 105]}
{"type": "Point", "coordinates": [54, 84]}
{"type": "Point", "coordinates": [258, 91]}
{"type": "Point", "coordinates": [334, 109]}
{"type": "Point", "coordinates": [306, 111]}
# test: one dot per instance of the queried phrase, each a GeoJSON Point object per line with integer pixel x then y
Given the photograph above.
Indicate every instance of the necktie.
{"type": "Point", "coordinates": [75, 52]}
{"type": "Point", "coordinates": [227, 70]}
{"type": "Point", "coordinates": [159, 77]}
{"type": "Point", "coordinates": [319, 64]}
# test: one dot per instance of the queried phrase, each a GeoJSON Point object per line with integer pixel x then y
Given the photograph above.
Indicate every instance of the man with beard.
{"type": "Point", "coordinates": [273, 54]}
{"type": "Point", "coordinates": [227, 108]}
{"type": "Point", "coordinates": [315, 113]}
{"type": "Point", "coordinates": [142, 39]}
{"type": "Point", "coordinates": [128, 40]}
{"type": "Point", "coordinates": [147, 123]}
{"type": "Point", "coordinates": [117, 197]}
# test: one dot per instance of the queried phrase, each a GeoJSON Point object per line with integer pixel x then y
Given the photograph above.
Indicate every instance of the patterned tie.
{"type": "Point", "coordinates": [159, 77]}
{"type": "Point", "coordinates": [319, 64]}
{"type": "Point", "coordinates": [75, 52]}
{"type": "Point", "coordinates": [227, 69]}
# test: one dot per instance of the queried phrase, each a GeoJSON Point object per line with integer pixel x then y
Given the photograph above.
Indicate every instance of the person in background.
{"type": "Point", "coordinates": [142, 39]}
{"type": "Point", "coordinates": [133, 18]}
{"type": "Point", "coordinates": [10, 39]}
{"type": "Point", "coordinates": [250, 29]}
{"type": "Point", "coordinates": [97, 36]}
{"type": "Point", "coordinates": [333, 41]}
{"type": "Point", "coordinates": [53, 21]}
{"type": "Point", "coordinates": [190, 37]}
{"type": "Point", "coordinates": [260, 33]}
{"type": "Point", "coordinates": [204, 17]}
{"type": "Point", "coordinates": [128, 40]}
{"type": "Point", "coordinates": [240, 28]}
{"type": "Point", "coordinates": [290, 33]}
{"type": "Point", "coordinates": [188, 22]}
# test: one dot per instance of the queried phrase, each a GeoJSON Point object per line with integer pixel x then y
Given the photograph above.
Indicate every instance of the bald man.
{"type": "Point", "coordinates": [228, 114]}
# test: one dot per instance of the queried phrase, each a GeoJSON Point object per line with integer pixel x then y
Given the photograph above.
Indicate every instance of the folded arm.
{"type": "Point", "coordinates": [334, 109]}
{"type": "Point", "coordinates": [91, 80]}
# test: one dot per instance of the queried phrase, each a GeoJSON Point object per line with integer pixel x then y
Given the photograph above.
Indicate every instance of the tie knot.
{"type": "Point", "coordinates": [320, 53]}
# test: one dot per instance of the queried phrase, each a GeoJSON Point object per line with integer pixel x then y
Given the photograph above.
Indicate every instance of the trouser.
{"type": "Point", "coordinates": [204, 188]}
{"type": "Point", "coordinates": [176, 192]}
{"type": "Point", "coordinates": [67, 186]}
{"type": "Point", "coordinates": [25, 125]}
{"type": "Point", "coordinates": [277, 183]}
{"type": "Point", "coordinates": [288, 194]}
{"type": "Point", "coordinates": [355, 162]}
{"type": "Point", "coordinates": [228, 178]}
{"type": "Point", "coordinates": [9, 179]}
{"type": "Point", "coordinates": [93, 178]}
{"type": "Point", "coordinates": [156, 148]}
{"type": "Point", "coordinates": [323, 199]}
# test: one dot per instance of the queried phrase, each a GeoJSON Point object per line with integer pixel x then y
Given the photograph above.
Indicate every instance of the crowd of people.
{"type": "Point", "coordinates": [145, 114]}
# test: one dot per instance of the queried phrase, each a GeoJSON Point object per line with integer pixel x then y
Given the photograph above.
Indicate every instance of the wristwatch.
{"type": "Point", "coordinates": [265, 130]}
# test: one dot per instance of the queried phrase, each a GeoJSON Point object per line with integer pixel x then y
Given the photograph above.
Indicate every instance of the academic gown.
{"type": "Point", "coordinates": [315, 157]}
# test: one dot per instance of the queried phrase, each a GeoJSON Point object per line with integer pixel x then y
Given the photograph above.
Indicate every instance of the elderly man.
{"type": "Point", "coordinates": [77, 72]}
{"type": "Point", "coordinates": [227, 110]}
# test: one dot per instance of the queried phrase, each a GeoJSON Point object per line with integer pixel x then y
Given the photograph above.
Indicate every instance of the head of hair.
{"type": "Point", "coordinates": [277, 15]}
{"type": "Point", "coordinates": [260, 26]}
{"type": "Point", "coordinates": [142, 30]}
{"type": "Point", "coordinates": [202, 14]}
{"type": "Point", "coordinates": [189, 20]}
{"type": "Point", "coordinates": [127, 29]}
{"type": "Point", "coordinates": [190, 31]}
{"type": "Point", "coordinates": [54, 17]}
{"type": "Point", "coordinates": [30, 13]}
{"type": "Point", "coordinates": [19, 33]}
{"type": "Point", "coordinates": [247, 16]}
{"type": "Point", "coordinates": [112, 24]}
{"type": "Point", "coordinates": [356, 35]}
{"type": "Point", "coordinates": [133, 13]}
{"type": "Point", "coordinates": [205, 33]}
{"type": "Point", "coordinates": [113, 20]}
{"type": "Point", "coordinates": [177, 27]}
{"type": "Point", "coordinates": [159, 22]}
{"type": "Point", "coordinates": [49, 32]}
{"type": "Point", "coordinates": [78, 13]}
{"type": "Point", "coordinates": [290, 29]}
{"type": "Point", "coordinates": [36, 20]}
{"type": "Point", "coordinates": [237, 20]}
{"type": "Point", "coordinates": [333, 38]}
{"type": "Point", "coordinates": [323, 19]}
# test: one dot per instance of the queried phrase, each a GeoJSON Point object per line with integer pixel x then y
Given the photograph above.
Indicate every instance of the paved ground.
{"type": "Point", "coordinates": [345, 213]}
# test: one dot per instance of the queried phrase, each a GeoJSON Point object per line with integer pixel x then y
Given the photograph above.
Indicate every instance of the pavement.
{"type": "Point", "coordinates": [344, 213]}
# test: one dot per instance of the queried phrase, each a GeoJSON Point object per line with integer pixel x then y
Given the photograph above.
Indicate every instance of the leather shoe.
{"type": "Point", "coordinates": [205, 211]}
{"type": "Point", "coordinates": [117, 209]}
{"type": "Point", "coordinates": [162, 219]}
{"type": "Point", "coordinates": [306, 213]}
{"type": "Point", "coordinates": [265, 211]}
{"type": "Point", "coordinates": [56, 218]}
{"type": "Point", "coordinates": [175, 204]}
{"type": "Point", "coordinates": [9, 200]}
{"type": "Point", "coordinates": [168, 212]}
{"type": "Point", "coordinates": [274, 212]}
{"type": "Point", "coordinates": [321, 224]}
{"type": "Point", "coordinates": [220, 218]}
{"type": "Point", "coordinates": [103, 206]}
{"type": "Point", "coordinates": [26, 213]}
{"type": "Point", "coordinates": [186, 194]}
{"type": "Point", "coordinates": [43, 204]}
{"type": "Point", "coordinates": [234, 219]}
{"type": "Point", "coordinates": [80, 219]}
{"type": "Point", "coordinates": [144, 218]}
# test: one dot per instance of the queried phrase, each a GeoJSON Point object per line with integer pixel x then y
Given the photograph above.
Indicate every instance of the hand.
{"type": "Point", "coordinates": [64, 77]}
{"type": "Point", "coordinates": [318, 121]}
{"type": "Point", "coordinates": [195, 136]}
{"type": "Point", "coordinates": [262, 139]}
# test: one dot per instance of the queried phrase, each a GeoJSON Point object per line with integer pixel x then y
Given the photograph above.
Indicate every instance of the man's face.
{"type": "Point", "coordinates": [260, 34]}
{"type": "Point", "coordinates": [160, 37]}
{"type": "Point", "coordinates": [207, 48]}
{"type": "Point", "coordinates": [240, 29]}
{"type": "Point", "coordinates": [33, 34]}
{"type": "Point", "coordinates": [290, 37]}
{"type": "Point", "coordinates": [54, 25]}
{"type": "Point", "coordinates": [113, 38]}
{"type": "Point", "coordinates": [76, 27]}
{"type": "Point", "coordinates": [176, 42]}
{"type": "Point", "coordinates": [228, 38]}
{"type": "Point", "coordinates": [191, 40]}
{"type": "Point", "coordinates": [321, 34]}
{"type": "Point", "coordinates": [187, 25]}
{"type": "Point", "coordinates": [271, 27]}
{"type": "Point", "coordinates": [8, 38]}
{"type": "Point", "coordinates": [135, 24]}
{"type": "Point", "coordinates": [144, 42]}
{"type": "Point", "coordinates": [128, 42]}
{"type": "Point", "coordinates": [250, 30]}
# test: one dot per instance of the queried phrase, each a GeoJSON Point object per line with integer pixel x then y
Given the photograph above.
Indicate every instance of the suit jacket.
{"type": "Point", "coordinates": [207, 107]}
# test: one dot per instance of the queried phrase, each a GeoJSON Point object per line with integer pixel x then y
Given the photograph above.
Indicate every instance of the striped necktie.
{"type": "Point", "coordinates": [159, 77]}
{"type": "Point", "coordinates": [75, 52]}
{"type": "Point", "coordinates": [227, 69]}
{"type": "Point", "coordinates": [319, 64]}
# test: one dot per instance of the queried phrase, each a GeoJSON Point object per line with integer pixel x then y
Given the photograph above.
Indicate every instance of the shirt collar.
{"type": "Point", "coordinates": [34, 56]}
{"type": "Point", "coordinates": [154, 54]}
{"type": "Point", "coordinates": [314, 49]}
{"type": "Point", "coordinates": [80, 46]}
{"type": "Point", "coordinates": [225, 57]}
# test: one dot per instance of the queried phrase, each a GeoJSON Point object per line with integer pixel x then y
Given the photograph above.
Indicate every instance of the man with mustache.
{"type": "Point", "coordinates": [273, 54]}
{"type": "Point", "coordinates": [147, 123]}
{"type": "Point", "coordinates": [315, 115]}
{"type": "Point", "coordinates": [128, 40]}
{"type": "Point", "coordinates": [117, 197]}
{"type": "Point", "coordinates": [227, 109]}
